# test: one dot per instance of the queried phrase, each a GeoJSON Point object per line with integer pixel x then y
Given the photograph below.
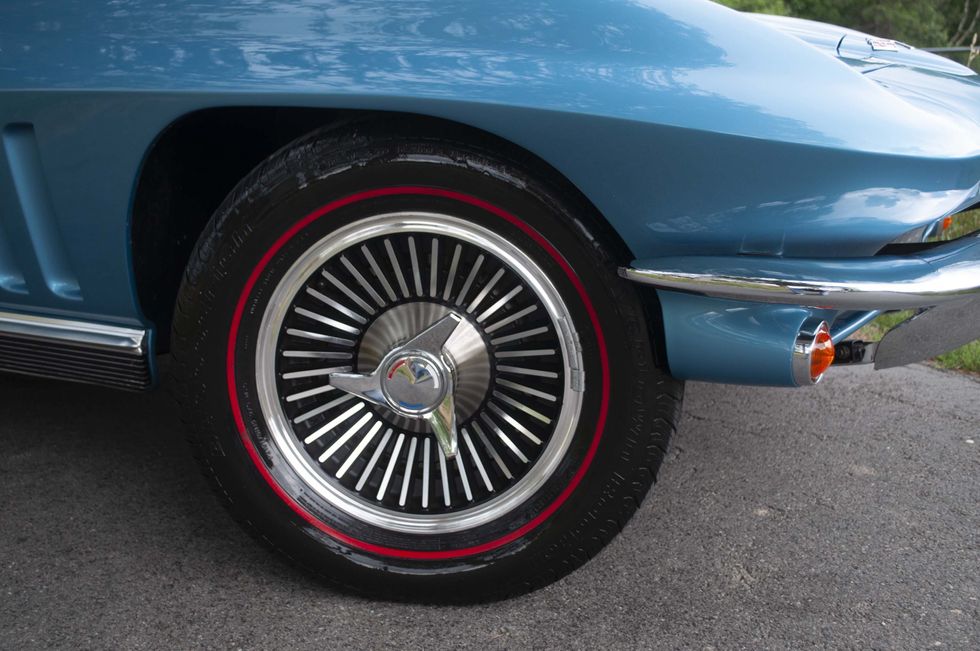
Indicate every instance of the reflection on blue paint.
{"type": "Point", "coordinates": [694, 130]}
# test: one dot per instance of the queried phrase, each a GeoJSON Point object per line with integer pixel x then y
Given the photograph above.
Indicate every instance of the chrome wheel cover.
{"type": "Point", "coordinates": [514, 385]}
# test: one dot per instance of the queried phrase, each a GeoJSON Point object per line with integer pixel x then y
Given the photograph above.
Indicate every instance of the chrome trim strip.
{"type": "Point", "coordinates": [941, 285]}
{"type": "Point", "coordinates": [802, 349]}
{"type": "Point", "coordinates": [126, 341]}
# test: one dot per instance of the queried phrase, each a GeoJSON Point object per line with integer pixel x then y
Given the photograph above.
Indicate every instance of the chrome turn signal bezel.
{"type": "Point", "coordinates": [807, 340]}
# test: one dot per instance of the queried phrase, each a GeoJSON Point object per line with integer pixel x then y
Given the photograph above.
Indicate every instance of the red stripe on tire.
{"type": "Point", "coordinates": [306, 515]}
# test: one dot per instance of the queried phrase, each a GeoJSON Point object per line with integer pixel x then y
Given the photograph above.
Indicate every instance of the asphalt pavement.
{"type": "Point", "coordinates": [846, 516]}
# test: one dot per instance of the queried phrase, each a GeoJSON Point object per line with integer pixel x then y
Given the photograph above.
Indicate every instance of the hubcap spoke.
{"type": "Point", "coordinates": [363, 386]}
{"type": "Point", "coordinates": [442, 420]}
{"type": "Point", "coordinates": [432, 339]}
{"type": "Point", "coordinates": [453, 404]}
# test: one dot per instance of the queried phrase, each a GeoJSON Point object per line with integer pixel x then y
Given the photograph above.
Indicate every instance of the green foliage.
{"type": "Point", "coordinates": [917, 22]}
{"type": "Point", "coordinates": [966, 358]}
{"type": "Point", "coordinates": [775, 7]}
{"type": "Point", "coordinates": [963, 224]}
{"type": "Point", "coordinates": [923, 23]}
{"type": "Point", "coordinates": [875, 330]}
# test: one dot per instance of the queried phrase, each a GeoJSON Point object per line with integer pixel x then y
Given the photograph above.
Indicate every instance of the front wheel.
{"type": "Point", "coordinates": [410, 366]}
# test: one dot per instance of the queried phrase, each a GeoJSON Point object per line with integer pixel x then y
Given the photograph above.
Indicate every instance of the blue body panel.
{"type": "Point", "coordinates": [694, 129]}
{"type": "Point", "coordinates": [718, 340]}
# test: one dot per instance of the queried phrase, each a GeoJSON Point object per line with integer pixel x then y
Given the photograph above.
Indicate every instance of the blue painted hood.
{"type": "Point", "coordinates": [857, 48]}
{"type": "Point", "coordinates": [925, 80]}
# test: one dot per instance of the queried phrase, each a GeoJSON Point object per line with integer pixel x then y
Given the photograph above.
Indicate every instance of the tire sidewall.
{"type": "Point", "coordinates": [274, 200]}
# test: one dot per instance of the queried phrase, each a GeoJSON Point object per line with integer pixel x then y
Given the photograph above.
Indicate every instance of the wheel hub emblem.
{"type": "Point", "coordinates": [414, 383]}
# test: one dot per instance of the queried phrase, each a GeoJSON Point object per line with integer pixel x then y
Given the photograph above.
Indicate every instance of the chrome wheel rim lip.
{"type": "Point", "coordinates": [312, 475]}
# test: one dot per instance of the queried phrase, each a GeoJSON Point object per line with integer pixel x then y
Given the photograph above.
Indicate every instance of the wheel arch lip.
{"type": "Point", "coordinates": [349, 115]}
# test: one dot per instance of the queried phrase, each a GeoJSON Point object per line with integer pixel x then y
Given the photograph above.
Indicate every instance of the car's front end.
{"type": "Point", "coordinates": [812, 268]}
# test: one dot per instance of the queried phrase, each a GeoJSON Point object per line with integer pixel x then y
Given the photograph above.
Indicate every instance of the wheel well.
{"type": "Point", "coordinates": [190, 169]}
{"type": "Point", "coordinates": [199, 159]}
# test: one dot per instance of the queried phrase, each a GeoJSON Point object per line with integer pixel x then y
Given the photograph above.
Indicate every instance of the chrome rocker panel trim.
{"type": "Point", "coordinates": [949, 273]}
{"type": "Point", "coordinates": [79, 351]}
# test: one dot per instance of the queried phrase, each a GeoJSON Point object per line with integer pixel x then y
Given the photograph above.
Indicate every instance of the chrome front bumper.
{"type": "Point", "coordinates": [943, 284]}
{"type": "Point", "coordinates": [950, 273]}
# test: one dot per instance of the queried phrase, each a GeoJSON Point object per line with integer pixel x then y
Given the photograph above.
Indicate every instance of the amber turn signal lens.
{"type": "Point", "coordinates": [821, 353]}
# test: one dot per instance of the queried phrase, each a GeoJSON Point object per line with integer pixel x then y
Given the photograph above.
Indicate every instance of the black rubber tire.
{"type": "Point", "coordinates": [643, 400]}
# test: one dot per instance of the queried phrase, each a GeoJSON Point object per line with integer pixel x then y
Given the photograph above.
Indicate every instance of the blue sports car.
{"type": "Point", "coordinates": [431, 273]}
